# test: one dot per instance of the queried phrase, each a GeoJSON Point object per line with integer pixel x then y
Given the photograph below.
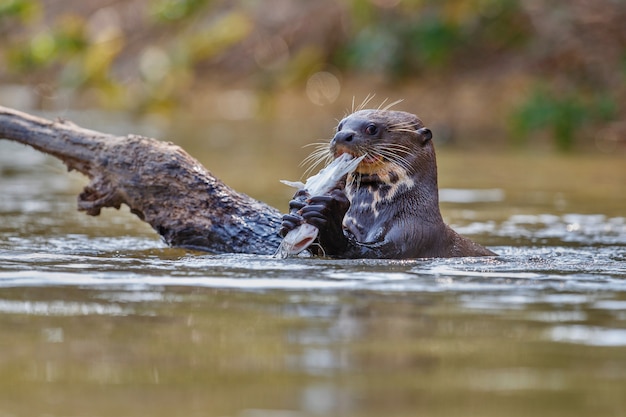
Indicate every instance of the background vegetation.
{"type": "Point", "coordinates": [543, 71]}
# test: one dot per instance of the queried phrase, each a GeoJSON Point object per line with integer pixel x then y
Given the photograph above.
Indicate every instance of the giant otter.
{"type": "Point", "coordinates": [389, 206]}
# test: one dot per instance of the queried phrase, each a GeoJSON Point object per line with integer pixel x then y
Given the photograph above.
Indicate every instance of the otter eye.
{"type": "Point", "coordinates": [339, 127]}
{"type": "Point", "coordinates": [371, 129]}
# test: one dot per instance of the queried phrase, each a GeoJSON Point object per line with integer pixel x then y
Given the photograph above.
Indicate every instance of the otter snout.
{"type": "Point", "coordinates": [343, 136]}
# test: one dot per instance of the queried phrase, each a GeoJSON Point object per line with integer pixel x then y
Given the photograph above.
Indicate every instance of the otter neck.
{"type": "Point", "coordinates": [413, 191]}
{"type": "Point", "coordinates": [420, 180]}
{"type": "Point", "coordinates": [426, 191]}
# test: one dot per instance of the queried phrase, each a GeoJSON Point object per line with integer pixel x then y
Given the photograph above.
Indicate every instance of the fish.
{"type": "Point", "coordinates": [321, 183]}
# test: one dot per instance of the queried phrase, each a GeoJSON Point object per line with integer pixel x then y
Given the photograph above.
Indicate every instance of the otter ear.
{"type": "Point", "coordinates": [425, 134]}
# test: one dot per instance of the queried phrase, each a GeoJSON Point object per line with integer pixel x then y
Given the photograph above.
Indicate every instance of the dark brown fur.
{"type": "Point", "coordinates": [389, 207]}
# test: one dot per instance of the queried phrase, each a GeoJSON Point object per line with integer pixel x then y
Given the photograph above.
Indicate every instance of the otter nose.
{"type": "Point", "coordinates": [344, 136]}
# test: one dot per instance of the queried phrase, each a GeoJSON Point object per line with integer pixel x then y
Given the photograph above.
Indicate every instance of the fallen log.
{"type": "Point", "coordinates": [160, 182]}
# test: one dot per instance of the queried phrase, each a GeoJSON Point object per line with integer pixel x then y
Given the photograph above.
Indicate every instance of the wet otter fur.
{"type": "Point", "coordinates": [389, 206]}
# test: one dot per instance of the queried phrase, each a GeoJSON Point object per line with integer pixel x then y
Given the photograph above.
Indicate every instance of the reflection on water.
{"type": "Point", "coordinates": [98, 317]}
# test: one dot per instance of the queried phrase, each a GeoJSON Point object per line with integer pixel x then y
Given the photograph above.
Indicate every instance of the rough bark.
{"type": "Point", "coordinates": [160, 182]}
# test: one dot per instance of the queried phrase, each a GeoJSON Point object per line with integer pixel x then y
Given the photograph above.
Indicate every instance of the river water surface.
{"type": "Point", "coordinates": [99, 318]}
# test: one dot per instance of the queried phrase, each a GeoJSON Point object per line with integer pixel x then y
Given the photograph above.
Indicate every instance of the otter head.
{"type": "Point", "coordinates": [396, 143]}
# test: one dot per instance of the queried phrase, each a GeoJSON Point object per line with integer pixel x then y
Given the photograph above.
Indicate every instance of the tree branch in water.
{"type": "Point", "coordinates": [160, 182]}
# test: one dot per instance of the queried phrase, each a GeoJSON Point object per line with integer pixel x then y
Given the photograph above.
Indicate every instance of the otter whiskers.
{"type": "Point", "coordinates": [364, 103]}
{"type": "Point", "coordinates": [388, 106]}
{"type": "Point", "coordinates": [403, 127]}
{"type": "Point", "coordinates": [354, 182]}
{"type": "Point", "coordinates": [392, 153]}
{"type": "Point", "coordinates": [383, 106]}
{"type": "Point", "coordinates": [320, 155]}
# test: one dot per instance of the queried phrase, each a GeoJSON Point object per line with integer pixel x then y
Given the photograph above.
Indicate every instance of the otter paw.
{"type": "Point", "coordinates": [326, 210]}
{"type": "Point", "coordinates": [296, 205]}
{"type": "Point", "coordinates": [290, 222]}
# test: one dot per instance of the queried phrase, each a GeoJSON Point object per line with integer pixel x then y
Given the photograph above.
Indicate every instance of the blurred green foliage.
{"type": "Point", "coordinates": [21, 9]}
{"type": "Point", "coordinates": [173, 10]}
{"type": "Point", "coordinates": [152, 55]}
{"type": "Point", "coordinates": [561, 114]}
{"type": "Point", "coordinates": [422, 36]}
{"type": "Point", "coordinates": [48, 47]}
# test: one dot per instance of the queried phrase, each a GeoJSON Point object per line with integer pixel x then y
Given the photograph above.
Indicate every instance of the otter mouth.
{"type": "Point", "coordinates": [369, 165]}
{"type": "Point", "coordinates": [368, 160]}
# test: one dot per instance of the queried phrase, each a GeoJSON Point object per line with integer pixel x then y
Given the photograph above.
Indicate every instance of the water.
{"type": "Point", "coordinates": [99, 318]}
